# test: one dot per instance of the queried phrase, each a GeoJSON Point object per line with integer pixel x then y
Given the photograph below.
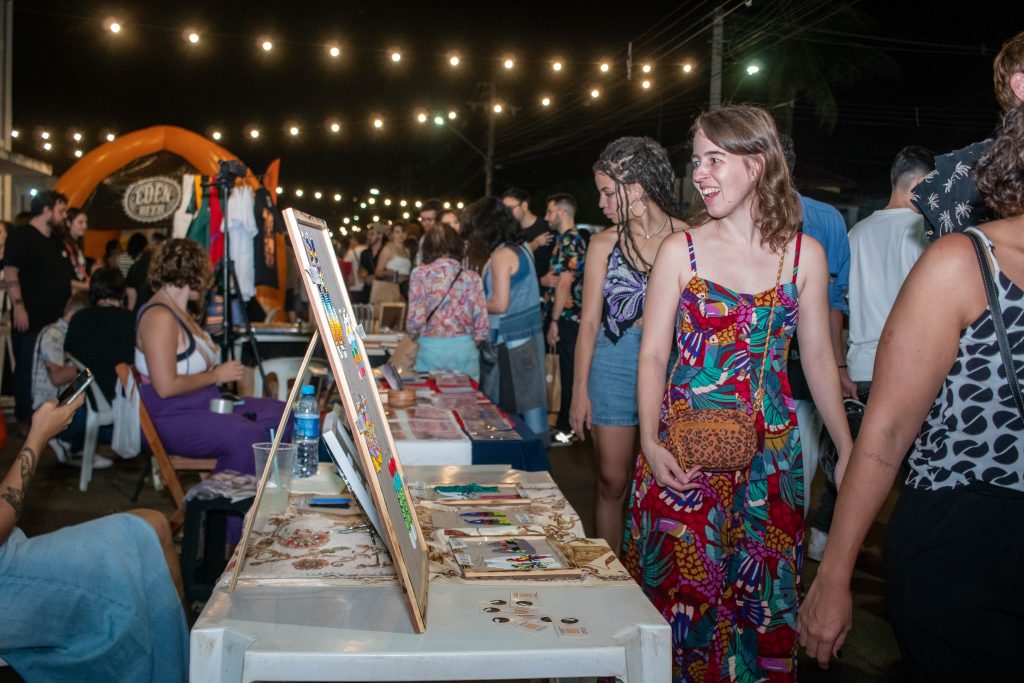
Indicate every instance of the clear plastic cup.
{"type": "Point", "coordinates": [279, 483]}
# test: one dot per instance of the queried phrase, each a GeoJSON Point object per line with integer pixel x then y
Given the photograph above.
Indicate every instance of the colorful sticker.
{"type": "Point", "coordinates": [368, 429]}
{"type": "Point", "coordinates": [317, 276]}
{"type": "Point", "coordinates": [403, 503]}
{"type": "Point", "coordinates": [523, 562]}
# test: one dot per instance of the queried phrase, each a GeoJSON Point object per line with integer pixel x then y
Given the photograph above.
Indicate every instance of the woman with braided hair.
{"type": "Point", "coordinates": [634, 180]}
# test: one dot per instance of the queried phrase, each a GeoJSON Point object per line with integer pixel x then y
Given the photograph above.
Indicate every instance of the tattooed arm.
{"type": "Point", "coordinates": [48, 421]}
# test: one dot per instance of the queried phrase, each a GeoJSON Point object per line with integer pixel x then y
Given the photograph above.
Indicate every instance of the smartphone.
{"type": "Point", "coordinates": [73, 390]}
{"type": "Point", "coordinates": [329, 502]}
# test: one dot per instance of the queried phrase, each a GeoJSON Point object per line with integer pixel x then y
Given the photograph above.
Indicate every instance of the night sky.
{"type": "Point", "coordinates": [899, 76]}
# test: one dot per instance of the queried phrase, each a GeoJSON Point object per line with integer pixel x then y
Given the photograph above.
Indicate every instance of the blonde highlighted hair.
{"type": "Point", "coordinates": [750, 132]}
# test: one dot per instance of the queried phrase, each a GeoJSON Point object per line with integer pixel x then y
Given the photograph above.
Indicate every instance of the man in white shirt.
{"type": "Point", "coordinates": [883, 248]}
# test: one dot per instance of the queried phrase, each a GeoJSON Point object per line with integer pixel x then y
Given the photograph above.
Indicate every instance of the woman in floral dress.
{"type": "Point", "coordinates": [719, 554]}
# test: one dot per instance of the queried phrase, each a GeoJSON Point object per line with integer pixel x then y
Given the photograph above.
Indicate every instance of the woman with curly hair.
{"type": "Point", "coordinates": [718, 552]}
{"type": "Point", "coordinates": [180, 370]}
{"type": "Point", "coordinates": [512, 359]}
{"type": "Point", "coordinates": [954, 558]}
{"type": "Point", "coordinates": [634, 181]}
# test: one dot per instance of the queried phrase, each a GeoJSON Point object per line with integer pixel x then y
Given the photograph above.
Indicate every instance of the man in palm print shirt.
{"type": "Point", "coordinates": [947, 197]}
{"type": "Point", "coordinates": [563, 299]}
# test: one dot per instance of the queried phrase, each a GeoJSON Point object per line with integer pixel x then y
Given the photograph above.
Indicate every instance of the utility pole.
{"type": "Point", "coordinates": [489, 157]}
{"type": "Point", "coordinates": [715, 100]}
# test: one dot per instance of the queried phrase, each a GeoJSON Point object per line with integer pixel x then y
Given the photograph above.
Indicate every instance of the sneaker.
{"type": "Point", "coordinates": [816, 544]}
{"type": "Point", "coordinates": [62, 449]}
{"type": "Point", "coordinates": [99, 462]}
{"type": "Point", "coordinates": [560, 439]}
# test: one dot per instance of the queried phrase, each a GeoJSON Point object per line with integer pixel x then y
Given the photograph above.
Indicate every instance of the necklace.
{"type": "Point", "coordinates": [648, 236]}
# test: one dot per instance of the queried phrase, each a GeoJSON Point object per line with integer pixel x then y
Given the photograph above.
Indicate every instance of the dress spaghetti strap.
{"type": "Point", "coordinates": [796, 253]}
{"type": "Point", "coordinates": [693, 254]}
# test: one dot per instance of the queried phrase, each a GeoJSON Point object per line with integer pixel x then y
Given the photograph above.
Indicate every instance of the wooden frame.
{"type": "Point", "coordinates": [392, 317]}
{"type": "Point", "coordinates": [375, 448]}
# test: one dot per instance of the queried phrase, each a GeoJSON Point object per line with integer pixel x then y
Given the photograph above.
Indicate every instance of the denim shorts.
{"type": "Point", "coordinates": [613, 380]}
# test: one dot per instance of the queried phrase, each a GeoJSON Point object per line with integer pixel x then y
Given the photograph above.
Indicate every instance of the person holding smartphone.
{"type": "Point", "coordinates": [91, 602]}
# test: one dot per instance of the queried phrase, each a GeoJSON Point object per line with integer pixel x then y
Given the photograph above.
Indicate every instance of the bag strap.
{"type": "Point", "coordinates": [985, 261]}
{"type": "Point", "coordinates": [759, 396]}
{"type": "Point", "coordinates": [446, 293]}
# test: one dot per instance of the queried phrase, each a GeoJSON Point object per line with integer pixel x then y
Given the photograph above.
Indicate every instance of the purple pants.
{"type": "Point", "coordinates": [188, 427]}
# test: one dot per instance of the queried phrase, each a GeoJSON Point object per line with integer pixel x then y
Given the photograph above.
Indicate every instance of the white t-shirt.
{"type": "Point", "coordinates": [883, 248]}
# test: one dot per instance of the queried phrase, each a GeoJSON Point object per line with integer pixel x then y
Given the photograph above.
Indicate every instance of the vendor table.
{"type": "Point", "coordinates": [341, 629]}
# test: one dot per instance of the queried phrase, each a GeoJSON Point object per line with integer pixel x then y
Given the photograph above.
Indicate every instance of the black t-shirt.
{"type": "Point", "coordinates": [101, 337]}
{"type": "Point", "coordinates": [137, 279]}
{"type": "Point", "coordinates": [368, 260]}
{"type": "Point", "coordinates": [44, 273]}
{"type": "Point", "coordinates": [541, 257]}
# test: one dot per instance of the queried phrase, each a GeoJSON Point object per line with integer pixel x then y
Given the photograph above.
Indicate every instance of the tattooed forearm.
{"type": "Point", "coordinates": [14, 496]}
{"type": "Point", "coordinates": [883, 462]}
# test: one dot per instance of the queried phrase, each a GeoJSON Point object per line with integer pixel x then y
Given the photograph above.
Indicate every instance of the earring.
{"type": "Point", "coordinates": [634, 212]}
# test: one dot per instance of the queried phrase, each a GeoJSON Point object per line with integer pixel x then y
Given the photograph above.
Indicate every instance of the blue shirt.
{"type": "Point", "coordinates": [825, 224]}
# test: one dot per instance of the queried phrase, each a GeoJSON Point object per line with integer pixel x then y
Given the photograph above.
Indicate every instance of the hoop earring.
{"type": "Point", "coordinates": [638, 214]}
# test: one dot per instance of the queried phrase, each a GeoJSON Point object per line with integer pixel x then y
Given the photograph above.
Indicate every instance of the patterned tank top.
{"type": "Point", "coordinates": [625, 289]}
{"type": "Point", "coordinates": [973, 431]}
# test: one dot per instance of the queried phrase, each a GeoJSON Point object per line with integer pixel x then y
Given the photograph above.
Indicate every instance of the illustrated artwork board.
{"type": "Point", "coordinates": [375, 448]}
{"type": "Point", "coordinates": [508, 557]}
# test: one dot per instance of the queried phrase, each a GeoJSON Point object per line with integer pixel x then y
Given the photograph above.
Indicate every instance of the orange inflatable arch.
{"type": "Point", "coordinates": [79, 182]}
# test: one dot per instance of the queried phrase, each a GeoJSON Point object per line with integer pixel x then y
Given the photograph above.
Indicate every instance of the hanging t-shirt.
{"type": "Point", "coordinates": [241, 231]}
{"type": "Point", "coordinates": [264, 243]}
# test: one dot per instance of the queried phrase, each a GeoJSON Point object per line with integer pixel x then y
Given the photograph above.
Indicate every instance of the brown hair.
{"type": "Point", "coordinates": [181, 263]}
{"type": "Point", "coordinates": [1000, 173]}
{"type": "Point", "coordinates": [441, 241]}
{"type": "Point", "coordinates": [750, 132]}
{"type": "Point", "coordinates": [1008, 62]}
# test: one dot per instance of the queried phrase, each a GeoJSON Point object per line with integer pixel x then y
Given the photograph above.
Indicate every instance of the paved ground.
{"type": "Point", "coordinates": [54, 501]}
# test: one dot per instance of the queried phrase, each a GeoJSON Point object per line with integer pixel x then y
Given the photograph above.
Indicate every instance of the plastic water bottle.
{"type": "Point", "coordinates": [307, 434]}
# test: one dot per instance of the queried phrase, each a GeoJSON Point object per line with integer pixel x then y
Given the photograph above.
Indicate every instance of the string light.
{"type": "Point", "coordinates": [267, 46]}
{"type": "Point", "coordinates": [405, 215]}
{"type": "Point", "coordinates": [556, 65]}
{"type": "Point", "coordinates": [545, 101]}
{"type": "Point", "coordinates": [335, 127]}
{"type": "Point", "coordinates": [193, 37]}
{"type": "Point", "coordinates": [299, 192]}
{"type": "Point", "coordinates": [459, 205]}
{"type": "Point", "coordinates": [334, 51]}
{"type": "Point", "coordinates": [595, 93]}
{"type": "Point", "coordinates": [371, 200]}
{"type": "Point", "coordinates": [45, 135]}
{"type": "Point", "coordinates": [376, 218]}
{"type": "Point", "coordinates": [498, 108]}
{"type": "Point", "coordinates": [646, 68]}
{"type": "Point", "coordinates": [337, 196]}
{"type": "Point", "coordinates": [605, 67]}
{"type": "Point", "coordinates": [646, 85]}
{"type": "Point", "coordinates": [346, 220]}
{"type": "Point", "coordinates": [113, 25]}
{"type": "Point", "coordinates": [509, 63]}
{"type": "Point", "coordinates": [110, 137]}
{"type": "Point", "coordinates": [254, 133]}
{"type": "Point", "coordinates": [447, 205]}
{"type": "Point", "coordinates": [421, 117]}
{"type": "Point", "coordinates": [418, 204]}
{"type": "Point", "coordinates": [15, 133]}
{"type": "Point", "coordinates": [317, 195]}
{"type": "Point", "coordinates": [687, 68]}
{"type": "Point", "coordinates": [362, 205]}
{"type": "Point", "coordinates": [454, 59]}
{"type": "Point", "coordinates": [280, 190]}
{"type": "Point", "coordinates": [78, 154]}
{"type": "Point", "coordinates": [47, 146]}
{"type": "Point", "coordinates": [396, 56]}
{"type": "Point", "coordinates": [216, 135]}
{"type": "Point", "coordinates": [77, 137]}
{"type": "Point", "coordinates": [378, 123]}
{"type": "Point", "coordinates": [452, 115]}
{"type": "Point", "coordinates": [293, 131]}
{"type": "Point", "coordinates": [439, 120]}
{"type": "Point", "coordinates": [374, 191]}
{"type": "Point", "coordinates": [403, 203]}
{"type": "Point", "coordinates": [753, 69]}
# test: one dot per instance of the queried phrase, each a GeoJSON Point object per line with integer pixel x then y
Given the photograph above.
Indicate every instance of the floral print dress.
{"type": "Point", "coordinates": [722, 562]}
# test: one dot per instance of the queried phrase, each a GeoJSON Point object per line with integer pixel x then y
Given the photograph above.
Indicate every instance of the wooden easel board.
{"type": "Point", "coordinates": [375, 448]}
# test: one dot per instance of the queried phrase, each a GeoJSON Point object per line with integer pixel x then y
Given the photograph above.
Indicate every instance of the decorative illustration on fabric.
{"type": "Point", "coordinates": [523, 562]}
{"type": "Point", "coordinates": [368, 429]}
{"type": "Point", "coordinates": [310, 564]}
{"type": "Point", "coordinates": [513, 545]}
{"type": "Point", "coordinates": [317, 276]}
{"type": "Point", "coordinates": [625, 289]}
{"type": "Point", "coordinates": [304, 538]}
{"type": "Point", "coordinates": [464, 491]}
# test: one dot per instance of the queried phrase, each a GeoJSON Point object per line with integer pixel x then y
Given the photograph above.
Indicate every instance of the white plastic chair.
{"type": "Point", "coordinates": [285, 370]}
{"type": "Point", "coordinates": [100, 416]}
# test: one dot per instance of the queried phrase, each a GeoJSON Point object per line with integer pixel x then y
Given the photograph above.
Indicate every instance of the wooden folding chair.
{"type": "Point", "coordinates": [168, 465]}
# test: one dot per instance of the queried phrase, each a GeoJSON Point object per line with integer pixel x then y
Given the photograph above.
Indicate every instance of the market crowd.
{"type": "Point", "coordinates": [742, 342]}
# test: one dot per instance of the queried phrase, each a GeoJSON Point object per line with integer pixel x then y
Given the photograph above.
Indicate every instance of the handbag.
{"type": "Point", "coordinates": [553, 379]}
{"type": "Point", "coordinates": [997, 318]}
{"type": "Point", "coordinates": [717, 439]}
{"type": "Point", "coordinates": [404, 355]}
{"type": "Point", "coordinates": [126, 439]}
